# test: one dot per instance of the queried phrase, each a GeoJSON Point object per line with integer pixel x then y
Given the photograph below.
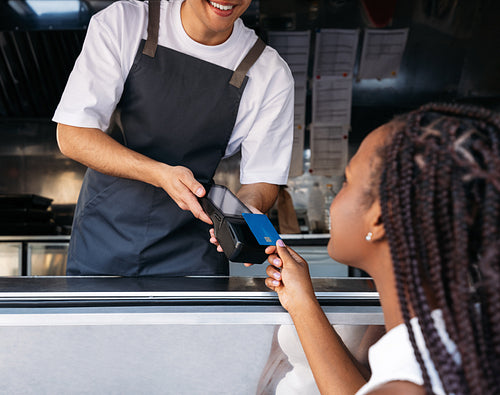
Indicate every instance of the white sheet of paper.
{"type": "Point", "coordinates": [331, 101]}
{"type": "Point", "coordinates": [335, 52]}
{"type": "Point", "coordinates": [382, 53]}
{"type": "Point", "coordinates": [294, 48]}
{"type": "Point", "coordinates": [329, 149]}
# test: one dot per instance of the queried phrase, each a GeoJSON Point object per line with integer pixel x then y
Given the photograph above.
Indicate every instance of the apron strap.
{"type": "Point", "coordinates": [153, 27]}
{"type": "Point", "coordinates": [251, 57]}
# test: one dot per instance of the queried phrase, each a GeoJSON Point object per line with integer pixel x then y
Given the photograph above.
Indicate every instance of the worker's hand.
{"type": "Point", "coordinates": [184, 189]}
{"type": "Point", "coordinates": [288, 275]}
{"type": "Point", "coordinates": [214, 241]}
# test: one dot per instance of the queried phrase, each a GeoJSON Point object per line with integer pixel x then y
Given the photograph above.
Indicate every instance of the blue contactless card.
{"type": "Point", "coordinates": [262, 228]}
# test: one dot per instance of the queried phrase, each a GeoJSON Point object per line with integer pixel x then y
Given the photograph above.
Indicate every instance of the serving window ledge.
{"type": "Point", "coordinates": [192, 335]}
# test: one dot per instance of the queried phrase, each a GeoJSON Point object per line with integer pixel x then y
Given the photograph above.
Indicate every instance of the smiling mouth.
{"type": "Point", "coordinates": [220, 6]}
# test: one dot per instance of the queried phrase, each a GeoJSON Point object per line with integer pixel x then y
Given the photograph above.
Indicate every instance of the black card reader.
{"type": "Point", "coordinates": [231, 230]}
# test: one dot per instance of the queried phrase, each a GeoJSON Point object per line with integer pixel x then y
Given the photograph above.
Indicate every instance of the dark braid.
{"type": "Point", "coordinates": [459, 286]}
{"type": "Point", "coordinates": [429, 247]}
{"type": "Point", "coordinates": [399, 248]}
{"type": "Point", "coordinates": [440, 199]}
{"type": "Point", "coordinates": [490, 265]}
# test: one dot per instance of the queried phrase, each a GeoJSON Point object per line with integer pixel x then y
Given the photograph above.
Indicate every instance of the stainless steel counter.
{"type": "Point", "coordinates": [216, 335]}
{"type": "Point", "coordinates": [216, 289]}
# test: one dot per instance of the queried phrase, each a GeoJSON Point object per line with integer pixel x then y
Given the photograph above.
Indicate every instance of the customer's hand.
{"type": "Point", "coordinates": [288, 276]}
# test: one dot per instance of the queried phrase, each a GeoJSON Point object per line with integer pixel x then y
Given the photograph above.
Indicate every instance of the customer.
{"type": "Point", "coordinates": [420, 212]}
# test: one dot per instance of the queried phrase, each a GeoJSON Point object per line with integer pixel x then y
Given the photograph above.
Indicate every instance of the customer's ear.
{"type": "Point", "coordinates": [375, 228]}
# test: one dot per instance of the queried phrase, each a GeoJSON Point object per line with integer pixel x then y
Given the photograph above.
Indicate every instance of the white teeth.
{"type": "Point", "coordinates": [221, 7]}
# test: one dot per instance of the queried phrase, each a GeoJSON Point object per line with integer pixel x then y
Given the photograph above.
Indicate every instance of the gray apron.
{"type": "Point", "coordinates": [179, 110]}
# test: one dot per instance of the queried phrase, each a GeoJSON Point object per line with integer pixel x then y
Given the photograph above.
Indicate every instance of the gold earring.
{"type": "Point", "coordinates": [368, 237]}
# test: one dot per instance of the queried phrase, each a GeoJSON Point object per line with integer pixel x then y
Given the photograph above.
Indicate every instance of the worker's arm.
{"type": "Point", "coordinates": [97, 150]}
{"type": "Point", "coordinates": [260, 196]}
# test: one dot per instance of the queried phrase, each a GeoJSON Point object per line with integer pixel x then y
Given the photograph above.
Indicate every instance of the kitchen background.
{"type": "Point", "coordinates": [442, 50]}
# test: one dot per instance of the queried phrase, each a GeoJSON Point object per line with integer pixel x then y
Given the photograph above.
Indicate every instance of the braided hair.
{"type": "Point", "coordinates": [439, 191]}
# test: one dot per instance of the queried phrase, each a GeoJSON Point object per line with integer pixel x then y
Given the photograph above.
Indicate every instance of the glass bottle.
{"type": "Point", "coordinates": [329, 196]}
{"type": "Point", "coordinates": [315, 210]}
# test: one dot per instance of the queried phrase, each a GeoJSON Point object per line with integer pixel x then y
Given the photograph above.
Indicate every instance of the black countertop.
{"type": "Point", "coordinates": [157, 290]}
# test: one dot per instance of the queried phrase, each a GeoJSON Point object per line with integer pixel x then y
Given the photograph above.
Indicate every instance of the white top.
{"type": "Point", "coordinates": [392, 357]}
{"type": "Point", "coordinates": [298, 380]}
{"type": "Point", "coordinates": [264, 125]}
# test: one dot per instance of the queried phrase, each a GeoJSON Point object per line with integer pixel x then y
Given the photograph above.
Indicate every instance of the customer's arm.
{"type": "Point", "coordinates": [333, 367]}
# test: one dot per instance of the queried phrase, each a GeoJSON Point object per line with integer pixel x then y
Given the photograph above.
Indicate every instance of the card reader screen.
{"type": "Point", "coordinates": [225, 200]}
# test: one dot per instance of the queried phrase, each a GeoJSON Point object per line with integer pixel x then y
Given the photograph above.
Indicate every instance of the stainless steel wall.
{"type": "Point", "coordinates": [30, 162]}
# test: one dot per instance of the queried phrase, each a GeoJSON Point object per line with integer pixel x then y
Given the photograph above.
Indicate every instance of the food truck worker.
{"type": "Point", "coordinates": [176, 85]}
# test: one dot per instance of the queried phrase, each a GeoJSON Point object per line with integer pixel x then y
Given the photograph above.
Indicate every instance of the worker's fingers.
{"type": "Point", "coordinates": [193, 184]}
{"type": "Point", "coordinates": [184, 189]}
{"type": "Point", "coordinates": [212, 236]}
{"type": "Point", "coordinates": [195, 207]}
{"type": "Point", "coordinates": [196, 190]}
{"type": "Point", "coordinates": [214, 240]}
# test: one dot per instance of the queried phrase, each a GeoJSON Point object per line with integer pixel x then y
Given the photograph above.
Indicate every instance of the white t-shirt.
{"type": "Point", "coordinates": [392, 357]}
{"type": "Point", "coordinates": [264, 125]}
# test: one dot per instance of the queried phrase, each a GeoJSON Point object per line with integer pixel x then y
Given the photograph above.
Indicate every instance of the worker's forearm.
{"type": "Point", "coordinates": [100, 152]}
{"type": "Point", "coordinates": [334, 368]}
{"type": "Point", "coordinates": [260, 195]}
